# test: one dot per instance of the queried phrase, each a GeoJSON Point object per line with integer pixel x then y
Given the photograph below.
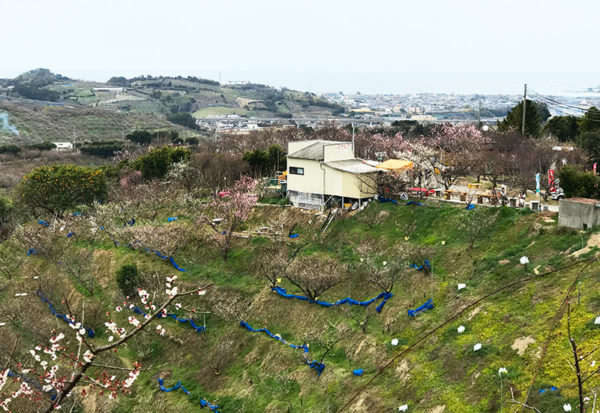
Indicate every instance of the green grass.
{"type": "Point", "coordinates": [263, 374]}
{"type": "Point", "coordinates": [219, 111]}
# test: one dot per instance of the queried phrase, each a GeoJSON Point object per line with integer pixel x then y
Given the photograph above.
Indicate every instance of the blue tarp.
{"type": "Point", "coordinates": [40, 294]}
{"type": "Point", "coordinates": [153, 251]}
{"type": "Point", "coordinates": [358, 372]}
{"type": "Point", "coordinates": [176, 387]}
{"type": "Point", "coordinates": [31, 251]}
{"type": "Point", "coordinates": [52, 393]}
{"type": "Point", "coordinates": [294, 236]}
{"type": "Point", "coordinates": [470, 207]}
{"type": "Point", "coordinates": [427, 306]}
{"type": "Point", "coordinates": [314, 364]}
{"type": "Point", "coordinates": [382, 199]}
{"type": "Point", "coordinates": [171, 219]}
{"type": "Point", "coordinates": [319, 367]}
{"type": "Point", "coordinates": [70, 234]}
{"type": "Point", "coordinates": [426, 264]}
{"type": "Point", "coordinates": [44, 223]}
{"type": "Point", "coordinates": [415, 203]}
{"type": "Point", "coordinates": [294, 346]}
{"type": "Point", "coordinates": [76, 214]}
{"type": "Point", "coordinates": [199, 329]}
{"type": "Point", "coordinates": [553, 388]}
{"type": "Point", "coordinates": [203, 403]}
{"type": "Point", "coordinates": [385, 295]}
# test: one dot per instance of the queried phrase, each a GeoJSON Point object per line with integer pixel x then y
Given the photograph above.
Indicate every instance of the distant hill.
{"type": "Point", "coordinates": [43, 105]}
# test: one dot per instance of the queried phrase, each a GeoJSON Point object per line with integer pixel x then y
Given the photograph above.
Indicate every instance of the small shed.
{"type": "Point", "coordinates": [63, 146]}
{"type": "Point", "coordinates": [579, 213]}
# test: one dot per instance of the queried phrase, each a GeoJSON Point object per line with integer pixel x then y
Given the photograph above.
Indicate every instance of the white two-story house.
{"type": "Point", "coordinates": [319, 171]}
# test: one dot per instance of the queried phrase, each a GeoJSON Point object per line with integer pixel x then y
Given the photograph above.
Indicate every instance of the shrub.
{"type": "Point", "coordinates": [156, 163]}
{"type": "Point", "coordinates": [142, 137]}
{"type": "Point", "coordinates": [57, 188]}
{"type": "Point", "coordinates": [6, 218]}
{"type": "Point", "coordinates": [577, 183]}
{"type": "Point", "coordinates": [44, 146]}
{"type": "Point", "coordinates": [184, 119]}
{"type": "Point", "coordinates": [36, 93]}
{"type": "Point", "coordinates": [128, 279]}
{"type": "Point", "coordinates": [104, 149]}
{"type": "Point", "coordinates": [10, 148]}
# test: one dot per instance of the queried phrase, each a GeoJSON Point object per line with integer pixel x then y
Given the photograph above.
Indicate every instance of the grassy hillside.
{"type": "Point", "coordinates": [46, 106]}
{"type": "Point", "coordinates": [260, 374]}
{"type": "Point", "coordinates": [76, 124]}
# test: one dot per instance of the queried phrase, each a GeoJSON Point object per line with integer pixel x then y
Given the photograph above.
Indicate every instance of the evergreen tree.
{"type": "Point", "coordinates": [514, 119]}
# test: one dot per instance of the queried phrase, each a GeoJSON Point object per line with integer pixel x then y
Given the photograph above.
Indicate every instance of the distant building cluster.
{"type": "Point", "coordinates": [426, 106]}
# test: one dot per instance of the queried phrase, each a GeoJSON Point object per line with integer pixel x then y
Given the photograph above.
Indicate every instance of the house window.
{"type": "Point", "coordinates": [296, 171]}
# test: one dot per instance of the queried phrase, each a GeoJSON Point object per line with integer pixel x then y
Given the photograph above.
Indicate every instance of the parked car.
{"type": "Point", "coordinates": [558, 194]}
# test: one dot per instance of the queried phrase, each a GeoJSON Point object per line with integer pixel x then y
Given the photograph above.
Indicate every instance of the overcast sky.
{"type": "Point", "coordinates": [393, 46]}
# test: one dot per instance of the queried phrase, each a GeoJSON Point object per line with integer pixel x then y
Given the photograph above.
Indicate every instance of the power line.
{"type": "Point", "coordinates": [556, 102]}
{"type": "Point", "coordinates": [452, 318]}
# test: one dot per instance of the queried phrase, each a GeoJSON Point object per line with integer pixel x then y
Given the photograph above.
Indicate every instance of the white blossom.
{"type": "Point", "coordinates": [461, 329]}
{"type": "Point", "coordinates": [88, 356]}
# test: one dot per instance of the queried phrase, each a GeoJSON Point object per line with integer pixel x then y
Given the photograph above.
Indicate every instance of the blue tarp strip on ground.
{"type": "Point", "coordinates": [203, 403]}
{"type": "Point", "coordinates": [171, 219]}
{"type": "Point", "coordinates": [385, 295]}
{"type": "Point", "coordinates": [415, 203]}
{"type": "Point", "coordinates": [319, 367]}
{"type": "Point", "coordinates": [358, 372]}
{"type": "Point", "coordinates": [553, 388]}
{"type": "Point", "coordinates": [470, 206]}
{"type": "Point", "coordinates": [31, 251]}
{"type": "Point", "coordinates": [158, 254]}
{"type": "Point", "coordinates": [294, 236]}
{"type": "Point", "coordinates": [428, 305]}
{"type": "Point", "coordinates": [44, 223]}
{"type": "Point", "coordinates": [199, 329]}
{"type": "Point", "coordinates": [176, 387]}
{"type": "Point", "coordinates": [314, 364]}
{"type": "Point", "coordinates": [276, 337]}
{"type": "Point", "coordinates": [40, 294]}
{"type": "Point", "coordinates": [426, 264]}
{"type": "Point", "coordinates": [70, 234]}
{"type": "Point", "coordinates": [52, 393]}
{"type": "Point", "coordinates": [382, 199]}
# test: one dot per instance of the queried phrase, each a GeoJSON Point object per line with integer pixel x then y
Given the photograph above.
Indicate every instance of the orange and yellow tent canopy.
{"type": "Point", "coordinates": [395, 165]}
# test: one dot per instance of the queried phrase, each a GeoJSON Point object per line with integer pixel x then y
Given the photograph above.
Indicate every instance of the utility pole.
{"type": "Point", "coordinates": [353, 154]}
{"type": "Point", "coordinates": [524, 107]}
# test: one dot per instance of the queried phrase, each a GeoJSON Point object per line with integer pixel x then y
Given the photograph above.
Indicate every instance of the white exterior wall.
{"type": "Point", "coordinates": [311, 181]}
{"type": "Point", "coordinates": [334, 181]}
{"type": "Point", "coordinates": [359, 186]}
{"type": "Point", "coordinates": [338, 152]}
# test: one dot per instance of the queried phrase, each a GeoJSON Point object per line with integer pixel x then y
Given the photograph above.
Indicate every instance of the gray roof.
{"type": "Point", "coordinates": [355, 166]}
{"type": "Point", "coordinates": [314, 151]}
